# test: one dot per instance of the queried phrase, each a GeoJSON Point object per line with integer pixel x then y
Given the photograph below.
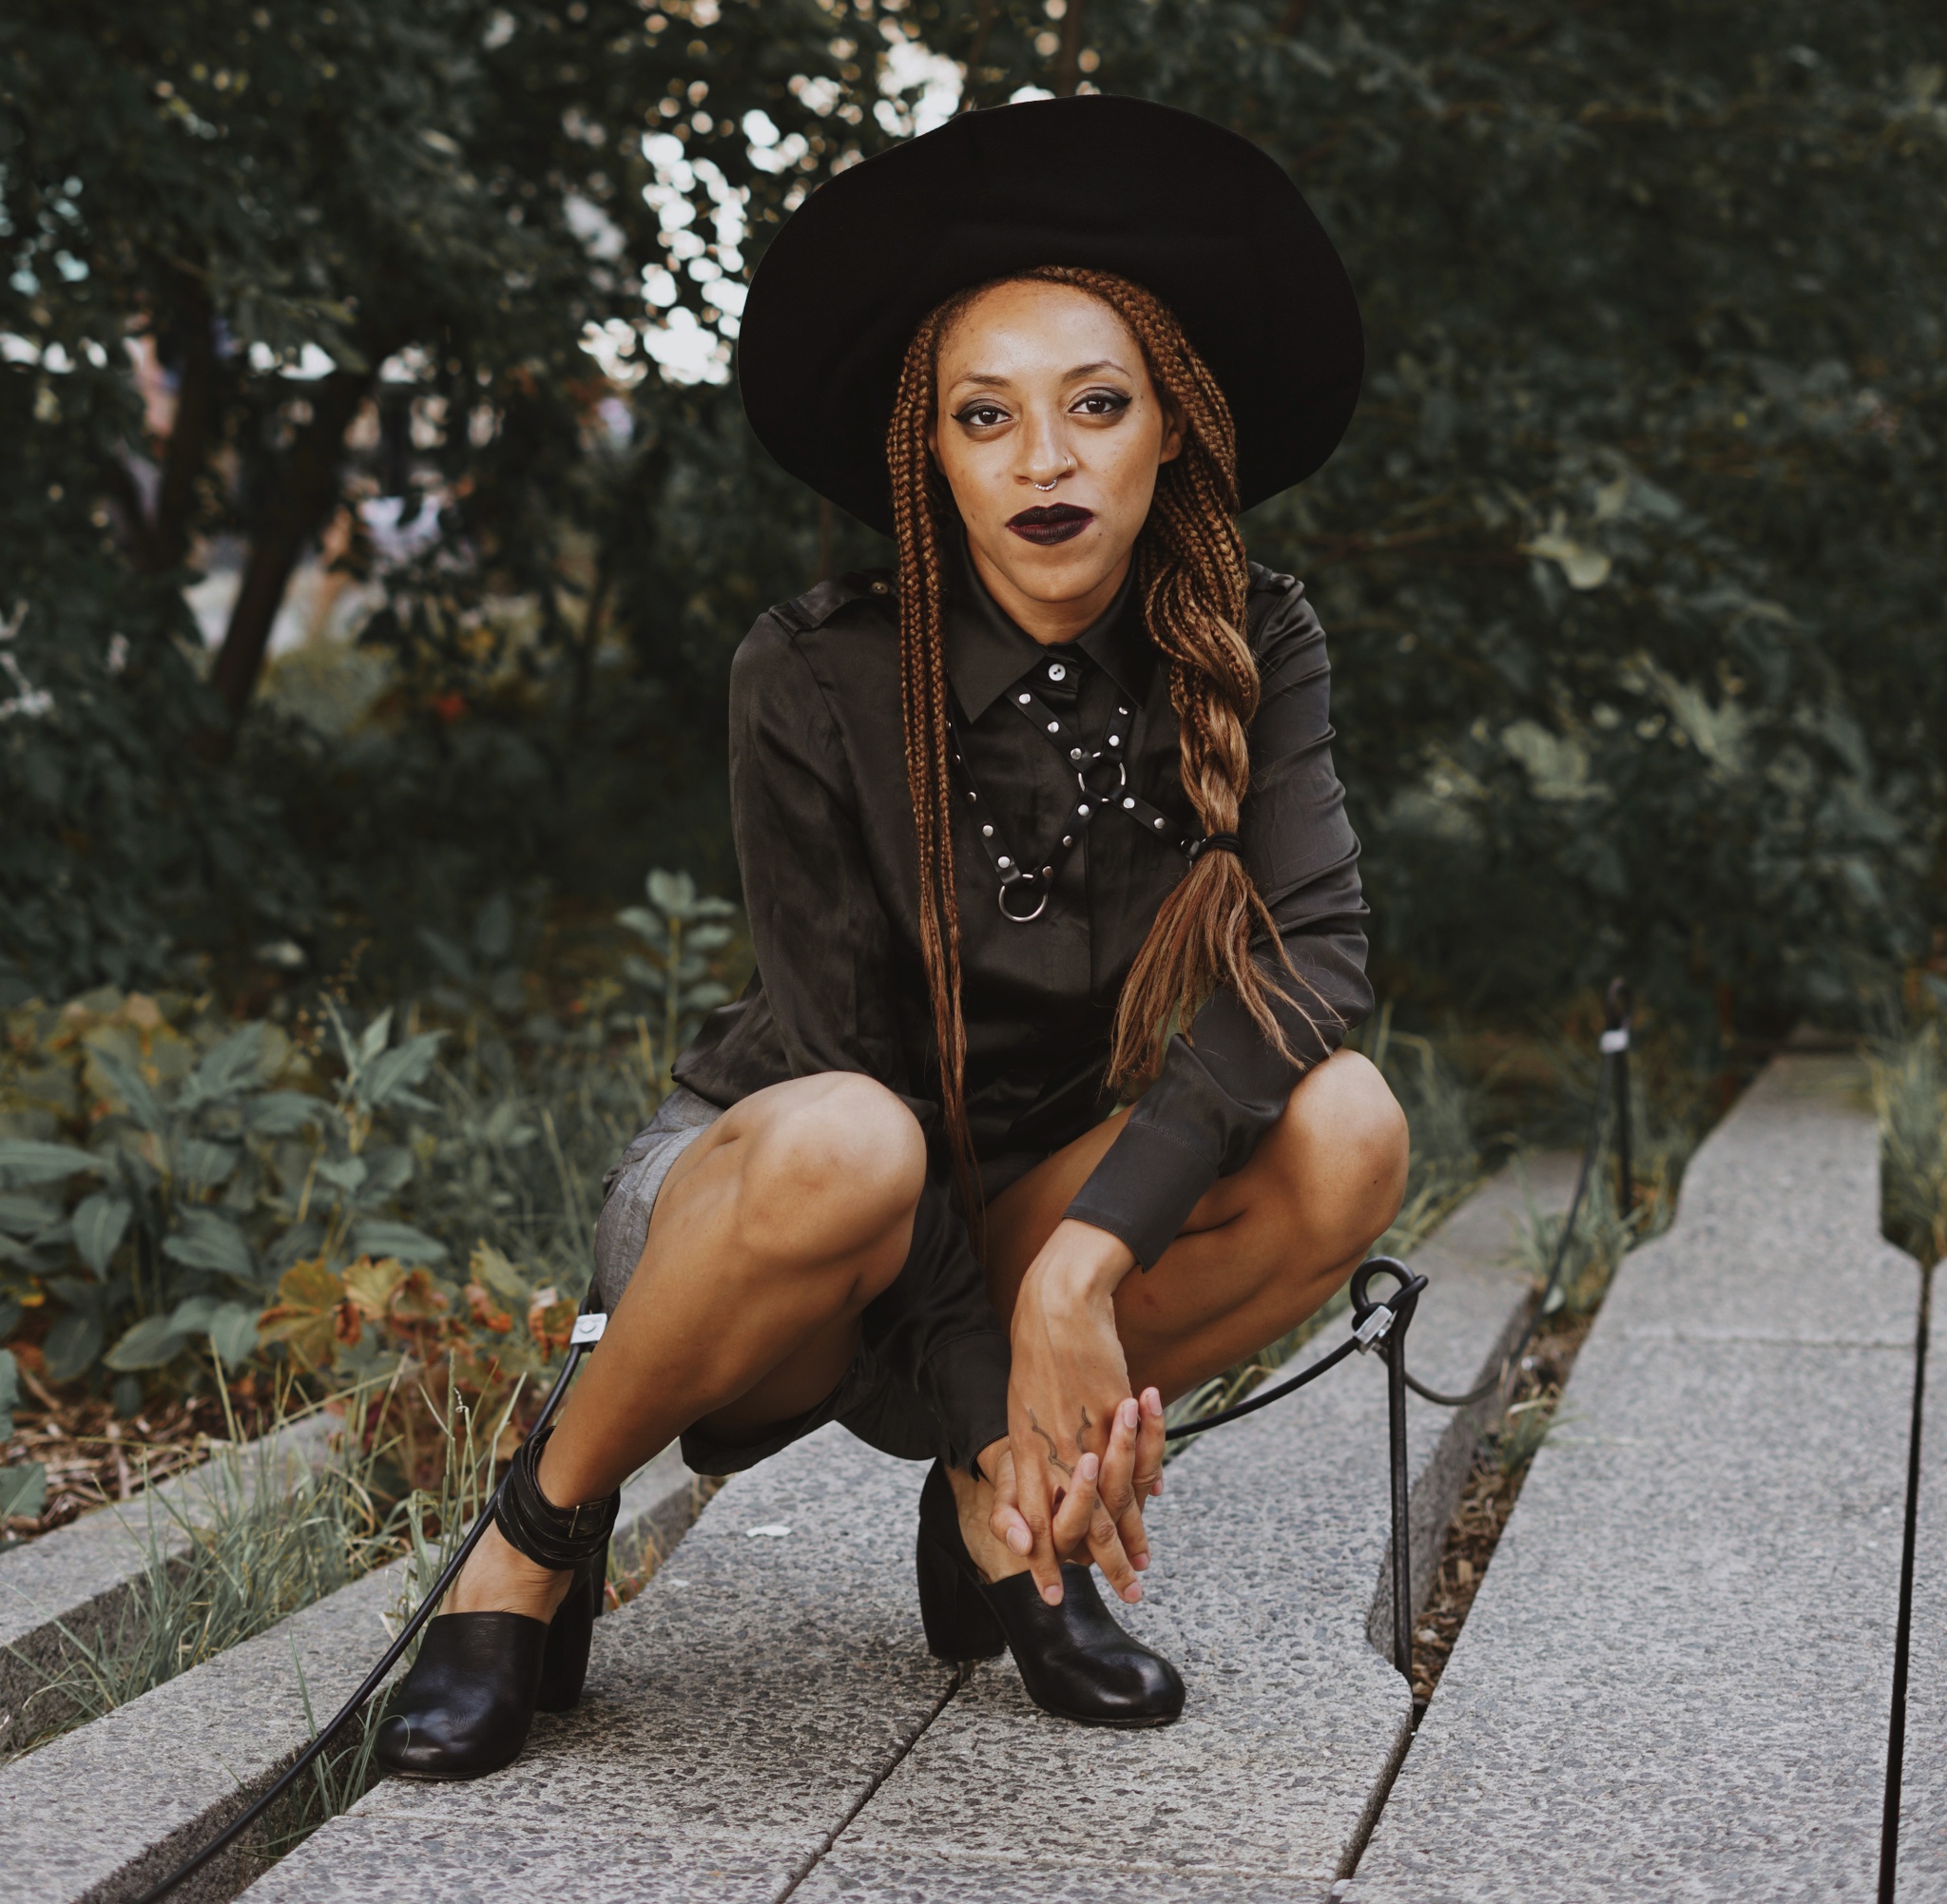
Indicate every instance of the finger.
{"type": "Point", "coordinates": [1078, 1507]}
{"type": "Point", "coordinates": [1035, 1494]}
{"type": "Point", "coordinates": [1116, 1499]}
{"type": "Point", "coordinates": [1122, 1498]}
{"type": "Point", "coordinates": [1151, 1444]}
{"type": "Point", "coordinates": [1006, 1522]}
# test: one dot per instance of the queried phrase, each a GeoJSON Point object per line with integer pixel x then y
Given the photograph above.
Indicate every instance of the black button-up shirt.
{"type": "Point", "coordinates": [826, 844]}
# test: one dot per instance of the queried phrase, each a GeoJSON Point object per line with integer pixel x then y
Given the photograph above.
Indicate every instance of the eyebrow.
{"type": "Point", "coordinates": [987, 380]}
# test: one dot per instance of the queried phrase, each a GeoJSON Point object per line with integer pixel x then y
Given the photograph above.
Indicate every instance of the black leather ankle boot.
{"type": "Point", "coordinates": [1075, 1662]}
{"type": "Point", "coordinates": [465, 1708]}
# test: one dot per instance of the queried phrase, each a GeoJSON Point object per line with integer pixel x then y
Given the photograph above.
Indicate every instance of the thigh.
{"type": "Point", "coordinates": [1263, 1247]}
{"type": "Point", "coordinates": [702, 1214]}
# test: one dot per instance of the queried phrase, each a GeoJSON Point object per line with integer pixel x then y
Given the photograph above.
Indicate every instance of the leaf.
{"type": "Point", "coordinates": [71, 1346]}
{"type": "Point", "coordinates": [226, 1071]}
{"type": "Point", "coordinates": [304, 1316]}
{"type": "Point", "coordinates": [23, 1161]}
{"type": "Point", "coordinates": [494, 929]}
{"type": "Point", "coordinates": [152, 1341]}
{"type": "Point", "coordinates": [447, 956]}
{"type": "Point", "coordinates": [391, 1078]}
{"type": "Point", "coordinates": [191, 1316]}
{"type": "Point", "coordinates": [207, 1240]}
{"type": "Point", "coordinates": [373, 1042]}
{"type": "Point", "coordinates": [1585, 568]}
{"type": "Point", "coordinates": [492, 1270]}
{"type": "Point", "coordinates": [130, 1086]}
{"type": "Point", "coordinates": [379, 1237]}
{"type": "Point", "coordinates": [232, 1334]}
{"type": "Point", "coordinates": [705, 998]}
{"type": "Point", "coordinates": [99, 1222]}
{"type": "Point", "coordinates": [279, 1113]}
{"type": "Point", "coordinates": [343, 1173]}
{"type": "Point", "coordinates": [642, 972]}
{"type": "Point", "coordinates": [707, 938]}
{"type": "Point", "coordinates": [9, 1392]}
{"type": "Point", "coordinates": [675, 892]}
{"type": "Point", "coordinates": [204, 1163]}
{"type": "Point", "coordinates": [27, 1216]}
{"type": "Point", "coordinates": [639, 919]}
{"type": "Point", "coordinates": [24, 1490]}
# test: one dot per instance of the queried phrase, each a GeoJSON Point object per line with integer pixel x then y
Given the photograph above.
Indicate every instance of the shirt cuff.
{"type": "Point", "coordinates": [1144, 1190]}
{"type": "Point", "coordinates": [967, 1383]}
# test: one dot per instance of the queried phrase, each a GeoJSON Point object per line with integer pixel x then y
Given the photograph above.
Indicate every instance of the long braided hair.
{"type": "Point", "coordinates": [1192, 581]}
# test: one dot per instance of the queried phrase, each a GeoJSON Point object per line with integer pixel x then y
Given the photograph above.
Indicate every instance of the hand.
{"type": "Point", "coordinates": [1077, 1438]}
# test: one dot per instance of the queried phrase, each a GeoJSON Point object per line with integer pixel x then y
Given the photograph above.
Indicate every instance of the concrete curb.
{"type": "Point", "coordinates": [102, 1813]}
{"type": "Point", "coordinates": [80, 1577]}
{"type": "Point", "coordinates": [1921, 1867]}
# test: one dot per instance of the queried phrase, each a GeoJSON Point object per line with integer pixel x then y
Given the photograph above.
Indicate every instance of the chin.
{"type": "Point", "coordinates": [1065, 572]}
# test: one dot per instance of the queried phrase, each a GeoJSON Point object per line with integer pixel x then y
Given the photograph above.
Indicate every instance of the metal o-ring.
{"type": "Point", "coordinates": [1021, 918]}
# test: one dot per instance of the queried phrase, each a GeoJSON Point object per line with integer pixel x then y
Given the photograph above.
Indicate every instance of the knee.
{"type": "Point", "coordinates": [838, 1167]}
{"type": "Point", "coordinates": [1346, 1147]}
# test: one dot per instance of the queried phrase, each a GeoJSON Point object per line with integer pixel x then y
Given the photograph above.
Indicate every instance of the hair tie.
{"type": "Point", "coordinates": [1216, 843]}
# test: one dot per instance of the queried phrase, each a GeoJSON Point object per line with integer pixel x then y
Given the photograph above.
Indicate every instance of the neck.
{"type": "Point", "coordinates": [1049, 623]}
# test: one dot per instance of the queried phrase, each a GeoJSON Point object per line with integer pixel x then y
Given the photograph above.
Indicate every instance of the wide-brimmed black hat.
{"type": "Point", "coordinates": [1194, 213]}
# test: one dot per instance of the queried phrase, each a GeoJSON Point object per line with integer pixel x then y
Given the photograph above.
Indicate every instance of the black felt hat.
{"type": "Point", "coordinates": [1194, 213]}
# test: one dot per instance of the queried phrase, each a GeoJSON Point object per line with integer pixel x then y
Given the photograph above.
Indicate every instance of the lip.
{"type": "Point", "coordinates": [1050, 523]}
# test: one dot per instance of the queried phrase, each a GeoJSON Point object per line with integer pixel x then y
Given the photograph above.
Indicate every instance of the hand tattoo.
{"type": "Point", "coordinates": [1054, 1459]}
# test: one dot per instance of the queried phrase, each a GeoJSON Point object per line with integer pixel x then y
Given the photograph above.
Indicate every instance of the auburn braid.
{"type": "Point", "coordinates": [917, 512]}
{"type": "Point", "coordinates": [1194, 582]}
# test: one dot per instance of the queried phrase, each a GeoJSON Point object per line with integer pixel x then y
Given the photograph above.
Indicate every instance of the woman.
{"type": "Point", "coordinates": [1004, 819]}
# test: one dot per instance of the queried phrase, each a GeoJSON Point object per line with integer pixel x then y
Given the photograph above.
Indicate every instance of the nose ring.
{"type": "Point", "coordinates": [1067, 469]}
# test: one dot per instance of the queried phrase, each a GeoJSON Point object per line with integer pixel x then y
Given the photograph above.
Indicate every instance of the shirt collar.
{"type": "Point", "coordinates": [987, 651]}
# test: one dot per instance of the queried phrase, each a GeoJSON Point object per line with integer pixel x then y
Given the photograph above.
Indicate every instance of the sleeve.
{"type": "Point", "coordinates": [1223, 1086]}
{"type": "Point", "coordinates": [825, 952]}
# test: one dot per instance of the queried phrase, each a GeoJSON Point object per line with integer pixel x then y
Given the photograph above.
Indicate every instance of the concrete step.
{"type": "Point", "coordinates": [67, 1588]}
{"type": "Point", "coordinates": [104, 1812]}
{"type": "Point", "coordinates": [1676, 1679]}
{"type": "Point", "coordinates": [765, 1720]}
{"type": "Point", "coordinates": [1922, 1863]}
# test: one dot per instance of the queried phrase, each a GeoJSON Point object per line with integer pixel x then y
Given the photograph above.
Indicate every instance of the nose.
{"type": "Point", "coordinates": [1045, 459]}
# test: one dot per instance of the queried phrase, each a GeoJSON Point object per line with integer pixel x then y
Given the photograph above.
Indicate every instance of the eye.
{"type": "Point", "coordinates": [1102, 403]}
{"type": "Point", "coordinates": [980, 415]}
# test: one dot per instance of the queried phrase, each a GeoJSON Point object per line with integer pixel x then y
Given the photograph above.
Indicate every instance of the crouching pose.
{"type": "Point", "coordinates": [1039, 824]}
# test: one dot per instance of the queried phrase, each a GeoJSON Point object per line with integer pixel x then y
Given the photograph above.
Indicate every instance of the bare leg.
{"type": "Point", "coordinates": [1263, 1250]}
{"type": "Point", "coordinates": [771, 1235]}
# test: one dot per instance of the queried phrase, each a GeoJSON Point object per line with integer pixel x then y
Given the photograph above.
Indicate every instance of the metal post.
{"type": "Point", "coordinates": [1395, 1349]}
{"type": "Point", "coordinates": [1615, 1046]}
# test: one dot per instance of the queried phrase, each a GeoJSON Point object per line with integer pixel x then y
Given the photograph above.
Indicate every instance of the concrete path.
{"type": "Point", "coordinates": [1922, 1863]}
{"type": "Point", "coordinates": [764, 1720]}
{"type": "Point", "coordinates": [1675, 1681]}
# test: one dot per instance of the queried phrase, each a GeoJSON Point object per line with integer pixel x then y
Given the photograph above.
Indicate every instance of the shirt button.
{"type": "Point", "coordinates": [1056, 672]}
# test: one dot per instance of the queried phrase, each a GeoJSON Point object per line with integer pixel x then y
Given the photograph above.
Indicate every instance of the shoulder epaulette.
{"type": "Point", "coordinates": [816, 607]}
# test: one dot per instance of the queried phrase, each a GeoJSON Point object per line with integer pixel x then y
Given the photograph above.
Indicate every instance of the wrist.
{"type": "Point", "coordinates": [1080, 1264]}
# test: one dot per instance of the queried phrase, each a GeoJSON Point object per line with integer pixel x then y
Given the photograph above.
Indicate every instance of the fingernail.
{"type": "Point", "coordinates": [1156, 1486]}
{"type": "Point", "coordinates": [1133, 1592]}
{"type": "Point", "coordinates": [1088, 1468]}
{"type": "Point", "coordinates": [1152, 1403]}
{"type": "Point", "coordinates": [1052, 1595]}
{"type": "Point", "coordinates": [1141, 1562]}
{"type": "Point", "coordinates": [1127, 1414]}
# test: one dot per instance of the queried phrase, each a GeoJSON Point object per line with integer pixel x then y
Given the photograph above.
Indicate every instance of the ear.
{"type": "Point", "coordinates": [1175, 430]}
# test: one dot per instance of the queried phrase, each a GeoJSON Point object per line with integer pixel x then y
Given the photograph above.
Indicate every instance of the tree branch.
{"type": "Point", "coordinates": [1067, 71]}
{"type": "Point", "coordinates": [303, 499]}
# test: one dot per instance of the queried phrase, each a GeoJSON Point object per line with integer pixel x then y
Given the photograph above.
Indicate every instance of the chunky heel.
{"type": "Point", "coordinates": [564, 1664]}
{"type": "Point", "coordinates": [959, 1623]}
{"type": "Point", "coordinates": [1075, 1662]}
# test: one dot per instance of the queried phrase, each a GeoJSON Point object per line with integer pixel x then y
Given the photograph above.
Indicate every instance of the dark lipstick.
{"type": "Point", "coordinates": [1051, 523]}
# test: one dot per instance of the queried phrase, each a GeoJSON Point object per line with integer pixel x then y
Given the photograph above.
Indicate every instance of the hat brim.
{"type": "Point", "coordinates": [1193, 212]}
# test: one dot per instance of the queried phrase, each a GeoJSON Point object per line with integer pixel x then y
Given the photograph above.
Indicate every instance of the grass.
{"type": "Point", "coordinates": [258, 1549]}
{"type": "Point", "coordinates": [1908, 1071]}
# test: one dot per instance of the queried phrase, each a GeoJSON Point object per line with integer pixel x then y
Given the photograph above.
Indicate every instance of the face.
{"type": "Point", "coordinates": [1049, 432]}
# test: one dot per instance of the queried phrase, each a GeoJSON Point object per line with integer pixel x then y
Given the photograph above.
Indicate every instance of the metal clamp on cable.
{"type": "Point", "coordinates": [587, 1329]}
